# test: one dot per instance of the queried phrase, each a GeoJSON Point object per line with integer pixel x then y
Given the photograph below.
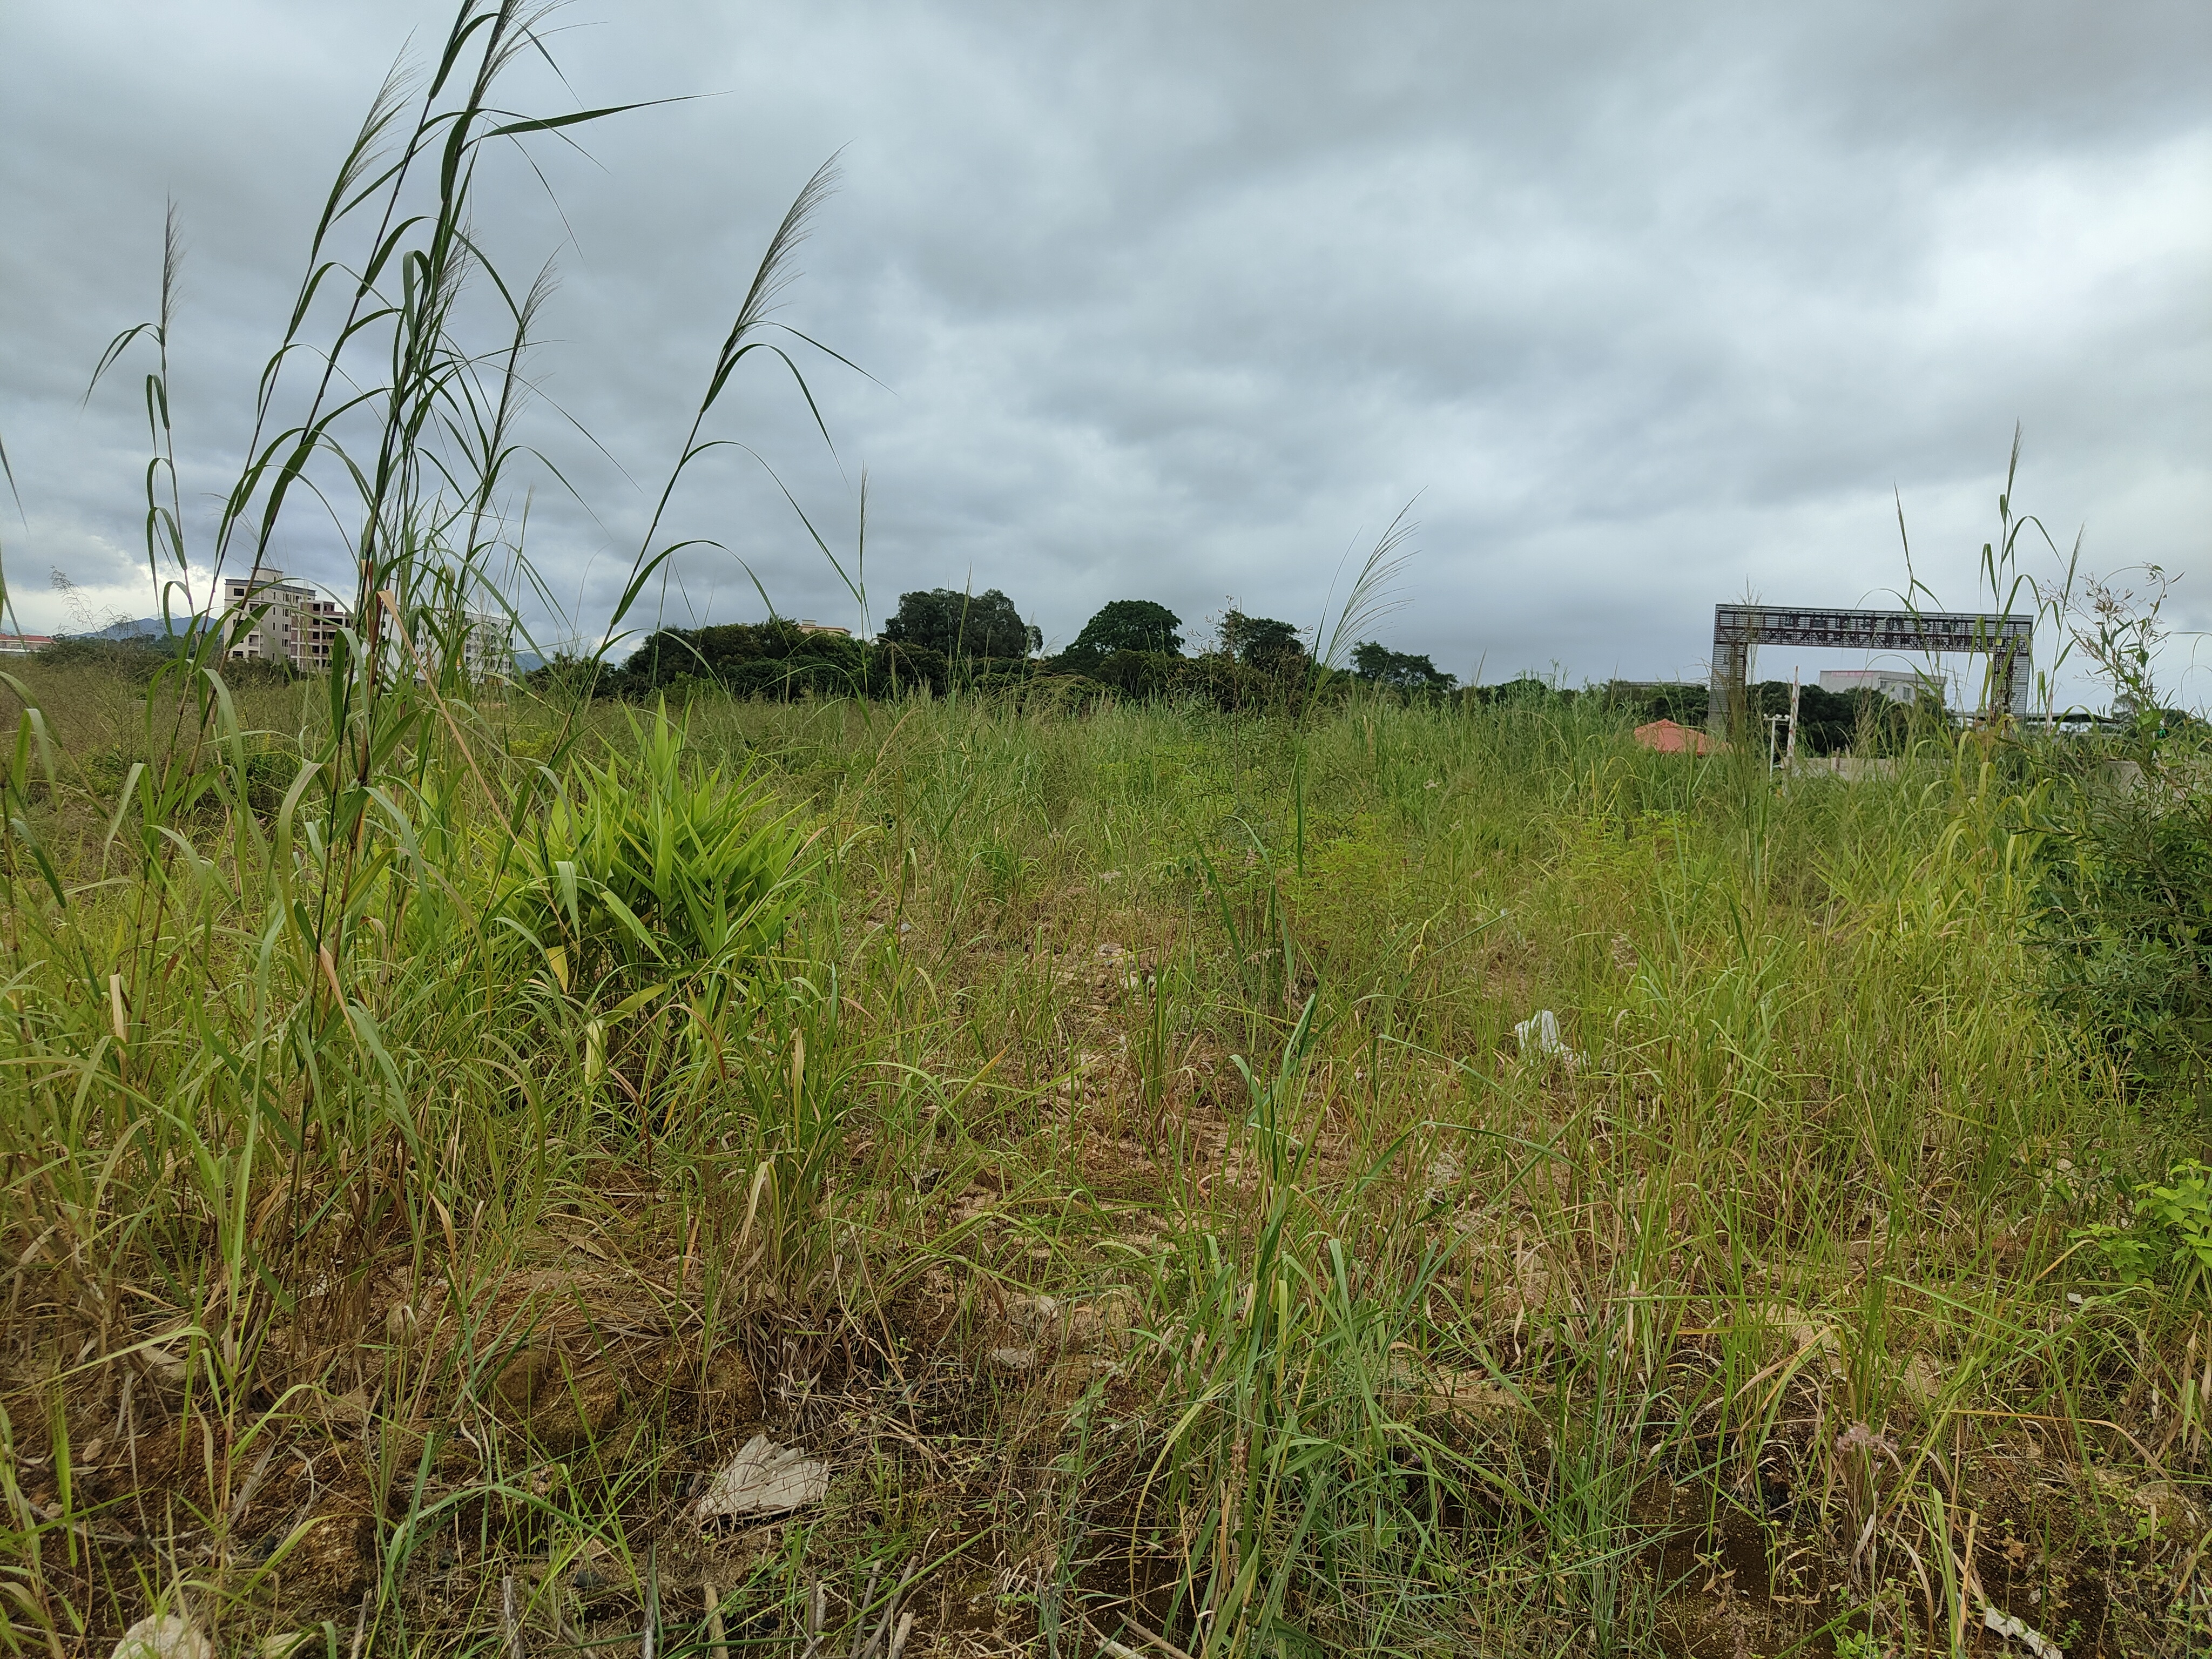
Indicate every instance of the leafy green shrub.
{"type": "Point", "coordinates": [642, 875]}
{"type": "Point", "coordinates": [898, 667]}
{"type": "Point", "coordinates": [2124, 921]}
{"type": "Point", "coordinates": [2178, 1216]}
{"type": "Point", "coordinates": [1139, 673]}
{"type": "Point", "coordinates": [772, 659]}
{"type": "Point", "coordinates": [269, 773]}
{"type": "Point", "coordinates": [2171, 1229]}
{"type": "Point", "coordinates": [986, 625]}
{"type": "Point", "coordinates": [1401, 670]}
{"type": "Point", "coordinates": [134, 659]}
{"type": "Point", "coordinates": [107, 770]}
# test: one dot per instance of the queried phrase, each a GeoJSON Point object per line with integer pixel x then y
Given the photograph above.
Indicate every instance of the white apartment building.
{"type": "Point", "coordinates": [1898, 685]}
{"type": "Point", "coordinates": [488, 648]}
{"type": "Point", "coordinates": [299, 626]}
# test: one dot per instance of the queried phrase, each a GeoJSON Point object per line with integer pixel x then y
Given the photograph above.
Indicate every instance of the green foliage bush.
{"type": "Point", "coordinates": [778, 660]}
{"type": "Point", "coordinates": [1141, 673]}
{"type": "Point", "coordinates": [2178, 1216]}
{"type": "Point", "coordinates": [1262, 643]}
{"type": "Point", "coordinates": [646, 872]}
{"type": "Point", "coordinates": [2170, 1231]}
{"type": "Point", "coordinates": [773, 657]}
{"type": "Point", "coordinates": [136, 658]}
{"type": "Point", "coordinates": [2123, 919]}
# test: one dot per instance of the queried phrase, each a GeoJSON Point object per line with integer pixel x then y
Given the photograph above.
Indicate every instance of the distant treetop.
{"type": "Point", "coordinates": [1262, 642]}
{"type": "Point", "coordinates": [1399, 669]}
{"type": "Point", "coordinates": [985, 624]}
{"type": "Point", "coordinates": [1125, 625]}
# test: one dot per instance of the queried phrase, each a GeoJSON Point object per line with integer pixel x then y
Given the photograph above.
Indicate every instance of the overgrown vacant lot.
{"type": "Point", "coordinates": [1120, 1168]}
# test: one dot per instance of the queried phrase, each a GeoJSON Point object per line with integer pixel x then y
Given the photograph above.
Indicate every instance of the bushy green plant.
{"type": "Point", "coordinates": [2178, 1216]}
{"type": "Point", "coordinates": [1272, 646]}
{"type": "Point", "coordinates": [986, 625]}
{"type": "Point", "coordinates": [1141, 673]}
{"type": "Point", "coordinates": [643, 872]}
{"type": "Point", "coordinates": [1401, 670]}
{"type": "Point", "coordinates": [773, 659]}
{"type": "Point", "coordinates": [2172, 1228]}
{"type": "Point", "coordinates": [2123, 919]}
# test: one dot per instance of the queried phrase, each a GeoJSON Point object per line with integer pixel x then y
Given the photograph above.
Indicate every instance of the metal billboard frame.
{"type": "Point", "coordinates": [2008, 640]}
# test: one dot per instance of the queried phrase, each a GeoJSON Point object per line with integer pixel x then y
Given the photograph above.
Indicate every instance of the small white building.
{"type": "Point", "coordinates": [1898, 684]}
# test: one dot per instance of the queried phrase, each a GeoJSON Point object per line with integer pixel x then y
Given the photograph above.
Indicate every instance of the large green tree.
{"type": "Point", "coordinates": [1400, 669]}
{"type": "Point", "coordinates": [1125, 625]}
{"type": "Point", "coordinates": [1262, 643]}
{"type": "Point", "coordinates": [985, 624]}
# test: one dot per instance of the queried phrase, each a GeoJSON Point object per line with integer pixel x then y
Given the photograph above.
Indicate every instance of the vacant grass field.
{"type": "Point", "coordinates": [1107, 1146]}
{"type": "Point", "coordinates": [488, 1174]}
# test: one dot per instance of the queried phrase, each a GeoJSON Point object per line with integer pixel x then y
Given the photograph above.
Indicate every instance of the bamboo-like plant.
{"type": "Point", "coordinates": [638, 875]}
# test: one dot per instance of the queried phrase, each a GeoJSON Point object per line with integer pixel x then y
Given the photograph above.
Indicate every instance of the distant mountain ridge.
{"type": "Point", "coordinates": [144, 628]}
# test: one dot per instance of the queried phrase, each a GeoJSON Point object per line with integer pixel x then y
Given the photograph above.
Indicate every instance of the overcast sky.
{"type": "Point", "coordinates": [1642, 307]}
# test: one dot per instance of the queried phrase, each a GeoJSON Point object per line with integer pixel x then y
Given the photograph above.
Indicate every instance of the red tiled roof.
{"type": "Point", "coordinates": [1668, 738]}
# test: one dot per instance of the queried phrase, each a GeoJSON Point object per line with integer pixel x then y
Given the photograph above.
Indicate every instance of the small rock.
{"type": "Point", "coordinates": [1921, 1381]}
{"type": "Point", "coordinates": [164, 1635]}
{"type": "Point", "coordinates": [1476, 1392]}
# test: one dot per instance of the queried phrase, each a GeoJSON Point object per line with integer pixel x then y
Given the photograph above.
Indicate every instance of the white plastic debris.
{"type": "Point", "coordinates": [765, 1478]}
{"type": "Point", "coordinates": [164, 1635]}
{"type": "Point", "coordinates": [1538, 1036]}
{"type": "Point", "coordinates": [2016, 1629]}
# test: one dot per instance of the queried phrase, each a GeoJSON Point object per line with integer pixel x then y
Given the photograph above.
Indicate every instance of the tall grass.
{"type": "Point", "coordinates": [441, 1127]}
{"type": "Point", "coordinates": [1213, 1207]}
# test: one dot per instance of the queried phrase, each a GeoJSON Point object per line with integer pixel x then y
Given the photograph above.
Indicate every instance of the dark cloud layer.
{"type": "Point", "coordinates": [1648, 310]}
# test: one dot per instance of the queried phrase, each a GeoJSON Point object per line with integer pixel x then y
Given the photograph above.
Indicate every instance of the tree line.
{"type": "Point", "coordinates": [942, 638]}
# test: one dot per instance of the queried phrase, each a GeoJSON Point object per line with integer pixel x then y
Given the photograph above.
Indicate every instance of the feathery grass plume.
{"type": "Point", "coordinates": [1374, 593]}
{"type": "Point", "coordinates": [772, 276]}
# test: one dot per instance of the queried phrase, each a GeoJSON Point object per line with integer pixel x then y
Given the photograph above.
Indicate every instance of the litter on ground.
{"type": "Point", "coordinates": [1539, 1036]}
{"type": "Point", "coordinates": [765, 1478]}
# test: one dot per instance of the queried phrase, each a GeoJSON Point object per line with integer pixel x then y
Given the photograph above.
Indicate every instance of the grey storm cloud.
{"type": "Point", "coordinates": [1643, 308]}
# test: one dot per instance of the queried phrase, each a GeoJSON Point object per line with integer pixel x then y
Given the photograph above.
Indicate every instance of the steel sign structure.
{"type": "Point", "coordinates": [2008, 640]}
